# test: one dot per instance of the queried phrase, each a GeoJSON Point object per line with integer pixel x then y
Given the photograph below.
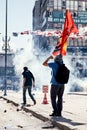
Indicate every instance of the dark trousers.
{"type": "Point", "coordinates": [29, 92]}
{"type": "Point", "coordinates": [56, 94]}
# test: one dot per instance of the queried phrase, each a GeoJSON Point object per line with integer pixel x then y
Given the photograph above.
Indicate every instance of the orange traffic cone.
{"type": "Point", "coordinates": [45, 99]}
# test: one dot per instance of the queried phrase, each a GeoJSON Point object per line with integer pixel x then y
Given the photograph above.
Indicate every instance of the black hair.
{"type": "Point", "coordinates": [25, 68]}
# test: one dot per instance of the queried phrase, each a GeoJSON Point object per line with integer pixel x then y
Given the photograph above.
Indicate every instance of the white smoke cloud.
{"type": "Point", "coordinates": [28, 57]}
{"type": "Point", "coordinates": [77, 80]}
{"type": "Point", "coordinates": [82, 30]}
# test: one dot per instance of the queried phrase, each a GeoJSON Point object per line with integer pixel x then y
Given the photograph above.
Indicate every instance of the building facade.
{"type": "Point", "coordinates": [50, 15]}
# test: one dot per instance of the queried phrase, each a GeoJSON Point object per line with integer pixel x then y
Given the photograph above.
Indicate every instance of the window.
{"type": "Point", "coordinates": [67, 4]}
{"type": "Point", "coordinates": [71, 5]}
{"type": "Point", "coordinates": [75, 14]}
{"type": "Point", "coordinates": [86, 42]}
{"type": "Point", "coordinates": [76, 42]}
{"type": "Point", "coordinates": [80, 42]}
{"type": "Point", "coordinates": [82, 6]}
{"type": "Point", "coordinates": [50, 3]}
{"type": "Point", "coordinates": [75, 5]}
{"type": "Point", "coordinates": [71, 42]}
{"type": "Point", "coordinates": [57, 4]}
{"type": "Point", "coordinates": [63, 4]}
{"type": "Point", "coordinates": [86, 6]}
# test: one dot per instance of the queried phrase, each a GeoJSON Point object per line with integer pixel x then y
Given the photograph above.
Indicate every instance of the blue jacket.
{"type": "Point", "coordinates": [54, 66]}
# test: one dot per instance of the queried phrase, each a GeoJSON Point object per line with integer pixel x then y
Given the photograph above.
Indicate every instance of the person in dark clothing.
{"type": "Point", "coordinates": [57, 89]}
{"type": "Point", "coordinates": [28, 82]}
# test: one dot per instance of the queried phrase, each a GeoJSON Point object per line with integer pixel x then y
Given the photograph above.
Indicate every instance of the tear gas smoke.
{"type": "Point", "coordinates": [78, 78]}
{"type": "Point", "coordinates": [28, 57]}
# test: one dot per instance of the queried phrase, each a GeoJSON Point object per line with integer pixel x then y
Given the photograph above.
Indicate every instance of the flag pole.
{"type": "Point", "coordinates": [5, 80]}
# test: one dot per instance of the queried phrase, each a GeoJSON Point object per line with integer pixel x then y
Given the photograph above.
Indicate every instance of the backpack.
{"type": "Point", "coordinates": [62, 75]}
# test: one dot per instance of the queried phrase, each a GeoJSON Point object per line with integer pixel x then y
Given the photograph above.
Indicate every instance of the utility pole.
{"type": "Point", "coordinates": [5, 80]}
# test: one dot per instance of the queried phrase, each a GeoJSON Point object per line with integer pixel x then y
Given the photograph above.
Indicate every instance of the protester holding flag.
{"type": "Point", "coordinates": [57, 89]}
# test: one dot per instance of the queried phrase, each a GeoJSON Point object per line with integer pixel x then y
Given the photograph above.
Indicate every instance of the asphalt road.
{"type": "Point", "coordinates": [11, 119]}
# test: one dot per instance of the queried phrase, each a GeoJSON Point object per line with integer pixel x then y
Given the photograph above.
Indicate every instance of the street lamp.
{"type": "Point", "coordinates": [5, 81]}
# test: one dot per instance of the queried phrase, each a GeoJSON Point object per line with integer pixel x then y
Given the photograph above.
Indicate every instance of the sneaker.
{"type": "Point", "coordinates": [53, 114]}
{"type": "Point", "coordinates": [34, 102]}
{"type": "Point", "coordinates": [23, 104]}
{"type": "Point", "coordinates": [58, 114]}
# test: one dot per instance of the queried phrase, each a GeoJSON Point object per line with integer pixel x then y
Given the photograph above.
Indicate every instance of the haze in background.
{"type": "Point", "coordinates": [19, 19]}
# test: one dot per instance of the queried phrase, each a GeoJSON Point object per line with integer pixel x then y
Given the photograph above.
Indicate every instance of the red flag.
{"type": "Point", "coordinates": [60, 49]}
{"type": "Point", "coordinates": [69, 23]}
{"type": "Point", "coordinates": [69, 27]}
{"type": "Point", "coordinates": [57, 48]}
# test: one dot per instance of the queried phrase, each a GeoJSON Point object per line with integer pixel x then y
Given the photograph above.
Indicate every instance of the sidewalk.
{"type": "Point", "coordinates": [74, 115]}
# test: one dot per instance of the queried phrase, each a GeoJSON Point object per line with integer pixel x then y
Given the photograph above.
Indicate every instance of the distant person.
{"type": "Point", "coordinates": [57, 89]}
{"type": "Point", "coordinates": [28, 82]}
